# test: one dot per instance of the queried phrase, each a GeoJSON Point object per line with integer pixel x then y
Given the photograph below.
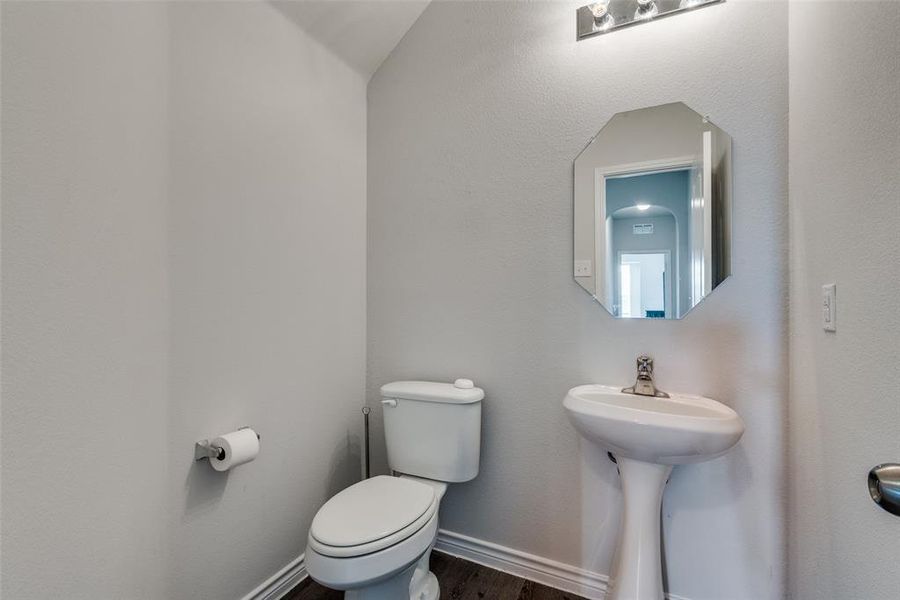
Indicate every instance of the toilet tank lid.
{"type": "Point", "coordinates": [460, 392]}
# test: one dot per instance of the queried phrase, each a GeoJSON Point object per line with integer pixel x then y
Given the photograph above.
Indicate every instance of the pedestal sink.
{"type": "Point", "coordinates": [647, 436]}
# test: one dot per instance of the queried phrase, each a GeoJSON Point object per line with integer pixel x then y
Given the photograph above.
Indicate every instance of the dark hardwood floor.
{"type": "Point", "coordinates": [460, 580]}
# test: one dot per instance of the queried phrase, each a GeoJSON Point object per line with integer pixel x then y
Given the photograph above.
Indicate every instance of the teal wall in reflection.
{"type": "Point", "coordinates": [668, 195]}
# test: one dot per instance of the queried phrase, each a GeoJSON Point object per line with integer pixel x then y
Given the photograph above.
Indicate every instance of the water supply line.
{"type": "Point", "coordinates": [365, 412]}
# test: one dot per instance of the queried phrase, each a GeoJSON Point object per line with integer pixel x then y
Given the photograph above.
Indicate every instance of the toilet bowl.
{"type": "Point", "coordinates": [373, 540]}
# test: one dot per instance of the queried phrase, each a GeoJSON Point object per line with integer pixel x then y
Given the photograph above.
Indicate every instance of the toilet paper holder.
{"type": "Point", "coordinates": [205, 448]}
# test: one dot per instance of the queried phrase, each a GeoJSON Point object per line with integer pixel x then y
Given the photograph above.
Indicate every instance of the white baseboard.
{"type": "Point", "coordinates": [278, 585]}
{"type": "Point", "coordinates": [541, 570]}
{"type": "Point", "coordinates": [521, 564]}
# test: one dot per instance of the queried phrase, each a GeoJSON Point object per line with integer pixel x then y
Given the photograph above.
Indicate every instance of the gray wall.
{"type": "Point", "coordinates": [474, 121]}
{"type": "Point", "coordinates": [85, 313]}
{"type": "Point", "coordinates": [183, 253]}
{"type": "Point", "coordinates": [845, 216]}
{"type": "Point", "coordinates": [267, 243]}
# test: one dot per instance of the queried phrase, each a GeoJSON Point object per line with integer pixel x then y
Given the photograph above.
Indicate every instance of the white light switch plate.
{"type": "Point", "coordinates": [582, 268]}
{"type": "Point", "coordinates": [829, 307]}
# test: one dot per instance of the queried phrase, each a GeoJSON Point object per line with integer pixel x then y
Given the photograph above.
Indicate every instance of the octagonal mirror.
{"type": "Point", "coordinates": [653, 212]}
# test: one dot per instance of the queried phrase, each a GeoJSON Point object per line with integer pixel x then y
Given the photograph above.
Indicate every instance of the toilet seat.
{"type": "Point", "coordinates": [362, 572]}
{"type": "Point", "coordinates": [372, 515]}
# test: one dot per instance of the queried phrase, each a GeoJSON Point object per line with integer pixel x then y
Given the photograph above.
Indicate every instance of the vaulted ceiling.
{"type": "Point", "coordinates": [361, 32]}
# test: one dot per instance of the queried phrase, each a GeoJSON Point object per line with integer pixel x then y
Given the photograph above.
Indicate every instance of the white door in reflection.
{"type": "Point", "coordinates": [644, 285]}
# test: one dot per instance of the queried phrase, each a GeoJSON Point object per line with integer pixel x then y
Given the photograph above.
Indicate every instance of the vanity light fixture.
{"type": "Point", "coordinates": [606, 15]}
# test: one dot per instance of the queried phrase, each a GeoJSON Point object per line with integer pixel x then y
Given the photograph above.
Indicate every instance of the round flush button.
{"type": "Point", "coordinates": [464, 384]}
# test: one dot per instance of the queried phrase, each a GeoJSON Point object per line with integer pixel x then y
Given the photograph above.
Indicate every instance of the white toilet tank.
{"type": "Point", "coordinates": [433, 430]}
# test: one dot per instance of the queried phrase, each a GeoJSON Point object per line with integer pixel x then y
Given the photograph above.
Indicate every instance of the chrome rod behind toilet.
{"type": "Point", "coordinates": [365, 412]}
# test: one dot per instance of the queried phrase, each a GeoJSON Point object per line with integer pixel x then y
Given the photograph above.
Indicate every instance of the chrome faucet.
{"type": "Point", "coordinates": [644, 385]}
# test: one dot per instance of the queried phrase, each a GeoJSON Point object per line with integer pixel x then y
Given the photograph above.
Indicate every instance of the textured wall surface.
{"type": "Point", "coordinates": [84, 300]}
{"type": "Point", "coordinates": [183, 253]}
{"type": "Point", "coordinates": [474, 121]}
{"type": "Point", "coordinates": [845, 215]}
{"type": "Point", "coordinates": [268, 164]}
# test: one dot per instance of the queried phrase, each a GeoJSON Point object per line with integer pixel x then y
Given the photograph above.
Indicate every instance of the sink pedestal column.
{"type": "Point", "coordinates": [637, 572]}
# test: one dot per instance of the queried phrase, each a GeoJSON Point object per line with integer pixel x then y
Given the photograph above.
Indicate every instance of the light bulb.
{"type": "Point", "coordinates": [642, 207]}
{"type": "Point", "coordinates": [646, 9]}
{"type": "Point", "coordinates": [602, 19]}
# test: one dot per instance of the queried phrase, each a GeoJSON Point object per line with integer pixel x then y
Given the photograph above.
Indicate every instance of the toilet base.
{"type": "Point", "coordinates": [396, 586]}
{"type": "Point", "coordinates": [430, 589]}
{"type": "Point", "coordinates": [415, 580]}
{"type": "Point", "coordinates": [424, 584]}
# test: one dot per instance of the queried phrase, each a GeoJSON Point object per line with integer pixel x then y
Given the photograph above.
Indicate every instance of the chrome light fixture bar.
{"type": "Point", "coordinates": [608, 15]}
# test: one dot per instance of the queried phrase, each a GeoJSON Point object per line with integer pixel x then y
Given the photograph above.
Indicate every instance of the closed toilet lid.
{"type": "Point", "coordinates": [371, 510]}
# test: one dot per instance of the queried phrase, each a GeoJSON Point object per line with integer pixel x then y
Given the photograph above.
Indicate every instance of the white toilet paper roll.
{"type": "Point", "coordinates": [240, 447]}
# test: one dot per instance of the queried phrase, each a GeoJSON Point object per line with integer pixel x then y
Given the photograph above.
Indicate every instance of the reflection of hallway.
{"type": "Point", "coordinates": [650, 234]}
{"type": "Point", "coordinates": [643, 284]}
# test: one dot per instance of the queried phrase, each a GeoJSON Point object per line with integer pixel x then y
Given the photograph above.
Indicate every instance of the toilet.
{"type": "Point", "coordinates": [374, 539]}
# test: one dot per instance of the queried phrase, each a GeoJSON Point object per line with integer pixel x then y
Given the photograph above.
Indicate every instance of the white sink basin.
{"type": "Point", "coordinates": [647, 435]}
{"type": "Point", "coordinates": [669, 431]}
